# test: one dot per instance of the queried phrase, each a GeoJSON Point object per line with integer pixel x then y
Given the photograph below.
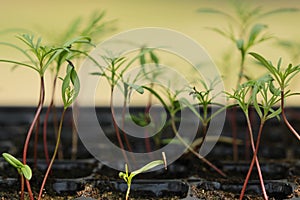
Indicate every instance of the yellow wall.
{"type": "Point", "coordinates": [49, 18]}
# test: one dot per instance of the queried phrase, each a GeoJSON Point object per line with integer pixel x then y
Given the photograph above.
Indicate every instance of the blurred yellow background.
{"type": "Point", "coordinates": [50, 18]}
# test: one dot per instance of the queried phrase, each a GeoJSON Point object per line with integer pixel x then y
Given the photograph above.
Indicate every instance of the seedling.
{"type": "Point", "coordinates": [71, 50]}
{"type": "Point", "coordinates": [92, 27]}
{"type": "Point", "coordinates": [283, 78]}
{"type": "Point", "coordinates": [39, 57]}
{"type": "Point", "coordinates": [244, 32]}
{"type": "Point", "coordinates": [128, 177]}
{"type": "Point", "coordinates": [23, 170]}
{"type": "Point", "coordinates": [249, 94]}
{"type": "Point", "coordinates": [173, 107]}
{"type": "Point", "coordinates": [113, 73]}
{"type": "Point", "coordinates": [205, 100]}
{"type": "Point", "coordinates": [70, 90]}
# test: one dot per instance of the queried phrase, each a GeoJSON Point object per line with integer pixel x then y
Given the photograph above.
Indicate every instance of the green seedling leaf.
{"type": "Point", "coordinates": [142, 59]}
{"type": "Point", "coordinates": [240, 44]}
{"type": "Point", "coordinates": [147, 167]}
{"type": "Point", "coordinates": [280, 10]}
{"type": "Point", "coordinates": [12, 160]}
{"type": "Point", "coordinates": [26, 171]}
{"type": "Point", "coordinates": [22, 169]}
{"type": "Point", "coordinates": [263, 61]}
{"type": "Point", "coordinates": [70, 86]}
{"type": "Point", "coordinates": [255, 31]}
{"type": "Point", "coordinates": [154, 58]}
{"type": "Point", "coordinates": [213, 11]}
{"type": "Point", "coordinates": [137, 88]}
{"type": "Point", "coordinates": [274, 113]}
{"type": "Point", "coordinates": [275, 91]}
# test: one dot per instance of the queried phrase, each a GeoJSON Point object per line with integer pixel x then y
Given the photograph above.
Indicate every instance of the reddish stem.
{"type": "Point", "coordinates": [46, 122]}
{"type": "Point", "coordinates": [254, 160]}
{"type": "Point", "coordinates": [54, 154]}
{"type": "Point", "coordinates": [116, 126]}
{"type": "Point", "coordinates": [22, 187]}
{"type": "Point", "coordinates": [124, 134]}
{"type": "Point", "coordinates": [29, 133]}
{"type": "Point", "coordinates": [45, 134]}
{"type": "Point", "coordinates": [192, 150]}
{"type": "Point", "coordinates": [285, 119]}
{"type": "Point", "coordinates": [36, 139]}
{"type": "Point", "coordinates": [233, 123]}
{"type": "Point", "coordinates": [29, 190]}
{"type": "Point", "coordinates": [147, 141]}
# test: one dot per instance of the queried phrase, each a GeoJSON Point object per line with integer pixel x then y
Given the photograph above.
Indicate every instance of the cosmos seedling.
{"type": "Point", "coordinates": [23, 170]}
{"type": "Point", "coordinates": [283, 77]}
{"type": "Point", "coordinates": [70, 90]}
{"type": "Point", "coordinates": [261, 95]}
{"type": "Point", "coordinates": [128, 177]}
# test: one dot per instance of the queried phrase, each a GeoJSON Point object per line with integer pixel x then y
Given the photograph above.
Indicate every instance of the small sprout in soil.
{"type": "Point", "coordinates": [23, 170]}
{"type": "Point", "coordinates": [128, 177]}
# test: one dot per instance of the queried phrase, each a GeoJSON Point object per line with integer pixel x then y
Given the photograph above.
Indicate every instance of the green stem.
{"type": "Point", "coordinates": [191, 149]}
{"type": "Point", "coordinates": [128, 190]}
{"type": "Point", "coordinates": [54, 154]}
{"type": "Point", "coordinates": [234, 129]}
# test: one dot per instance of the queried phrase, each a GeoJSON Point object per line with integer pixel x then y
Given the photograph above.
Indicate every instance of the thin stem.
{"type": "Point", "coordinates": [233, 121]}
{"type": "Point", "coordinates": [36, 136]}
{"type": "Point", "coordinates": [254, 160]}
{"type": "Point", "coordinates": [204, 132]}
{"type": "Point", "coordinates": [29, 189]}
{"type": "Point", "coordinates": [29, 133]}
{"type": "Point", "coordinates": [191, 149]}
{"type": "Point", "coordinates": [46, 122]}
{"type": "Point", "coordinates": [37, 114]}
{"type": "Point", "coordinates": [74, 134]}
{"type": "Point", "coordinates": [116, 126]}
{"type": "Point", "coordinates": [123, 126]}
{"type": "Point", "coordinates": [36, 139]}
{"type": "Point", "coordinates": [128, 191]}
{"type": "Point", "coordinates": [285, 119]}
{"type": "Point", "coordinates": [149, 104]}
{"type": "Point", "coordinates": [54, 154]}
{"type": "Point", "coordinates": [22, 187]}
{"type": "Point", "coordinates": [234, 133]}
{"type": "Point", "coordinates": [124, 134]}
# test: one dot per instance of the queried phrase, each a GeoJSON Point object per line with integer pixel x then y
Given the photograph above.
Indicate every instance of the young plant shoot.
{"type": "Point", "coordinates": [70, 90]}
{"type": "Point", "coordinates": [173, 107]}
{"type": "Point", "coordinates": [245, 31]}
{"type": "Point", "coordinates": [128, 177]}
{"type": "Point", "coordinates": [23, 170]}
{"type": "Point", "coordinates": [40, 57]}
{"type": "Point", "coordinates": [282, 78]}
{"type": "Point", "coordinates": [249, 94]}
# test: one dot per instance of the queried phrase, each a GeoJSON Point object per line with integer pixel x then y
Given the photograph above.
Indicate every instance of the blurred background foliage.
{"type": "Point", "coordinates": [51, 20]}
